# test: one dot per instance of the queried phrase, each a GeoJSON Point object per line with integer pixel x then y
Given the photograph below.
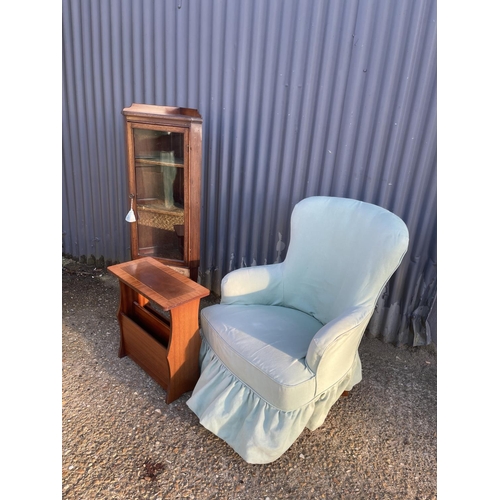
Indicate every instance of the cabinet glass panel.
{"type": "Point", "coordinates": [159, 172]}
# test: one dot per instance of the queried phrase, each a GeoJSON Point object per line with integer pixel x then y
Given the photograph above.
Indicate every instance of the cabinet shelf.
{"type": "Point", "coordinates": [156, 162]}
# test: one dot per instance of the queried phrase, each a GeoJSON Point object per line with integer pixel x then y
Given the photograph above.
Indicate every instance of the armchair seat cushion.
{"type": "Point", "coordinates": [265, 347]}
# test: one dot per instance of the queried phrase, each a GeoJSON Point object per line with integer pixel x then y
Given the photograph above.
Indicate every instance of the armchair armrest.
{"type": "Point", "coordinates": [253, 285]}
{"type": "Point", "coordinates": [333, 349]}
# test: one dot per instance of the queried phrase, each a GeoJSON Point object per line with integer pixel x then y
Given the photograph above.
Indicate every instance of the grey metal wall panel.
{"type": "Point", "coordinates": [298, 98]}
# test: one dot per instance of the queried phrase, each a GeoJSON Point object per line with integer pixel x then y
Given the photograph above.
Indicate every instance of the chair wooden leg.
{"type": "Point", "coordinates": [344, 394]}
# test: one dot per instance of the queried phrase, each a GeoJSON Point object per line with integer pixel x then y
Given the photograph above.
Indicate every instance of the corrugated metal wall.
{"type": "Point", "coordinates": [298, 98]}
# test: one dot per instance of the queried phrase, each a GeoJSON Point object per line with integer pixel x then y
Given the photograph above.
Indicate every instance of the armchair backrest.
{"type": "Point", "coordinates": [341, 254]}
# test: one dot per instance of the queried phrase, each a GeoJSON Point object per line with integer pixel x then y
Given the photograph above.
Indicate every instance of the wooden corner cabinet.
{"type": "Point", "coordinates": [164, 179]}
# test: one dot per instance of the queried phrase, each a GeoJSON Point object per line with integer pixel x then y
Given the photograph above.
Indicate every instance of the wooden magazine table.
{"type": "Point", "coordinates": [166, 348]}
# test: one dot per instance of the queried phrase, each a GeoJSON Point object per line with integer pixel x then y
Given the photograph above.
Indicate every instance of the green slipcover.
{"type": "Point", "coordinates": [282, 345]}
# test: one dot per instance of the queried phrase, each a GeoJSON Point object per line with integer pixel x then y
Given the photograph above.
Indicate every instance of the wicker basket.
{"type": "Point", "coordinates": [159, 219]}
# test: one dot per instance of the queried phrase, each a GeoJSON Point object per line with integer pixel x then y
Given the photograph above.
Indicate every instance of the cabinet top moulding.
{"type": "Point", "coordinates": [151, 112]}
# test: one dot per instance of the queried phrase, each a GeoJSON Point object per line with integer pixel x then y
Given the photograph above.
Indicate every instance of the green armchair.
{"type": "Point", "coordinates": [282, 346]}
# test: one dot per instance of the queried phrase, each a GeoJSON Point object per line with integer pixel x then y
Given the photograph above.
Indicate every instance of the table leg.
{"type": "Point", "coordinates": [184, 349]}
{"type": "Point", "coordinates": [127, 297]}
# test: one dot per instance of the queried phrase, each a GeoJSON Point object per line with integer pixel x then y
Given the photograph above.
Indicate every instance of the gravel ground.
{"type": "Point", "coordinates": [121, 441]}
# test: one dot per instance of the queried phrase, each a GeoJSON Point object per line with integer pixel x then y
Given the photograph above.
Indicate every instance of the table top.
{"type": "Point", "coordinates": [158, 282]}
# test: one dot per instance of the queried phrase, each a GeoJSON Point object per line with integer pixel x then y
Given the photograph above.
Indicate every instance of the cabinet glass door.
{"type": "Point", "coordinates": [159, 176]}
